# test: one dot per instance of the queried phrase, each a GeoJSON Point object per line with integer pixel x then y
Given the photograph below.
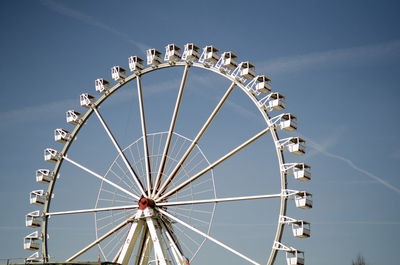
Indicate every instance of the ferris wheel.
{"type": "Point", "coordinates": [155, 195]}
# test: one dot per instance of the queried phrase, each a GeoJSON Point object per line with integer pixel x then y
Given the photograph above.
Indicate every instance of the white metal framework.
{"type": "Point", "coordinates": [157, 197]}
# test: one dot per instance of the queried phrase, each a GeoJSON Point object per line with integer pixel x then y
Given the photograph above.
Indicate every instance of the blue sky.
{"type": "Point", "coordinates": [337, 62]}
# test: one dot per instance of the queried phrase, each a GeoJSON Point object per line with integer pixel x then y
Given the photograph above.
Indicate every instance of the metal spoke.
{"type": "Point", "coordinates": [122, 155]}
{"type": "Point", "coordinates": [208, 237]}
{"type": "Point", "coordinates": [144, 133]}
{"type": "Point", "coordinates": [100, 177]}
{"type": "Point", "coordinates": [109, 233]}
{"type": "Point", "coordinates": [216, 163]}
{"type": "Point", "coordinates": [94, 210]}
{"type": "Point", "coordinates": [171, 129]}
{"type": "Point", "coordinates": [216, 200]}
{"type": "Point", "coordinates": [195, 141]}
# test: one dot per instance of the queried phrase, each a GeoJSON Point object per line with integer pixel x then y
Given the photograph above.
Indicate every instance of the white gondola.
{"type": "Point", "coordinates": [73, 117]}
{"type": "Point", "coordinates": [302, 172]}
{"type": "Point", "coordinates": [229, 60]}
{"type": "Point", "coordinates": [51, 155]}
{"type": "Point", "coordinates": [295, 257]}
{"type": "Point", "coordinates": [247, 70]}
{"type": "Point", "coordinates": [118, 73]}
{"type": "Point", "coordinates": [44, 175]}
{"type": "Point", "coordinates": [172, 53]}
{"type": "Point", "coordinates": [61, 135]}
{"type": "Point", "coordinates": [294, 145]}
{"type": "Point", "coordinates": [263, 84]}
{"type": "Point", "coordinates": [209, 55]}
{"type": "Point", "coordinates": [33, 219]}
{"type": "Point", "coordinates": [37, 197]}
{"type": "Point", "coordinates": [34, 257]}
{"type": "Point", "coordinates": [191, 52]}
{"type": "Point", "coordinates": [303, 200]}
{"type": "Point", "coordinates": [153, 57]}
{"type": "Point", "coordinates": [301, 229]}
{"type": "Point", "coordinates": [102, 85]}
{"type": "Point", "coordinates": [135, 64]}
{"type": "Point", "coordinates": [86, 100]}
{"type": "Point", "coordinates": [31, 241]}
{"type": "Point", "coordinates": [288, 122]}
{"type": "Point", "coordinates": [277, 101]}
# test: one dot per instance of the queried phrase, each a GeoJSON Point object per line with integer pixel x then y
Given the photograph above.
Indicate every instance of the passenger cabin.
{"type": "Point", "coordinates": [37, 197]}
{"type": "Point", "coordinates": [247, 70]}
{"type": "Point", "coordinates": [73, 117]}
{"type": "Point", "coordinates": [210, 54]}
{"type": "Point", "coordinates": [172, 53]}
{"type": "Point", "coordinates": [263, 84]}
{"type": "Point", "coordinates": [191, 52]}
{"type": "Point", "coordinates": [33, 219]}
{"type": "Point", "coordinates": [51, 155]}
{"type": "Point", "coordinates": [135, 64]}
{"type": "Point", "coordinates": [295, 257]}
{"type": "Point", "coordinates": [229, 60]}
{"type": "Point", "coordinates": [34, 257]}
{"type": "Point", "coordinates": [153, 57]}
{"type": "Point", "coordinates": [296, 145]}
{"type": "Point", "coordinates": [301, 229]}
{"type": "Point", "coordinates": [302, 172]}
{"type": "Point", "coordinates": [31, 241]}
{"type": "Point", "coordinates": [87, 100]}
{"type": "Point", "coordinates": [277, 101]}
{"type": "Point", "coordinates": [288, 122]}
{"type": "Point", "coordinates": [303, 200]}
{"type": "Point", "coordinates": [44, 176]}
{"type": "Point", "coordinates": [101, 85]}
{"type": "Point", "coordinates": [118, 73]}
{"type": "Point", "coordinates": [61, 135]}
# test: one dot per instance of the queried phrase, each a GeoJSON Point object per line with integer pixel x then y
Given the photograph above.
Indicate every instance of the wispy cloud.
{"type": "Point", "coordinates": [387, 50]}
{"type": "Point", "coordinates": [75, 14]}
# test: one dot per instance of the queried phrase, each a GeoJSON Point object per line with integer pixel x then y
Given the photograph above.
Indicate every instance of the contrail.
{"type": "Point", "coordinates": [320, 149]}
{"type": "Point", "coordinates": [69, 12]}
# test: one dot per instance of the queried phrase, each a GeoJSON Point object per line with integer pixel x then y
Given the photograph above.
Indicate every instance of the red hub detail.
{"type": "Point", "coordinates": [145, 202]}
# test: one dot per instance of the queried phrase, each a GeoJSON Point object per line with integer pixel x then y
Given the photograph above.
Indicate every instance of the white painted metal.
{"type": "Point", "coordinates": [51, 155]}
{"type": "Point", "coordinates": [209, 56]}
{"type": "Point", "coordinates": [130, 241]}
{"type": "Point", "coordinates": [135, 64]}
{"type": "Point", "coordinates": [153, 57]}
{"type": "Point", "coordinates": [87, 100]}
{"type": "Point", "coordinates": [35, 257]}
{"type": "Point", "coordinates": [94, 210]}
{"type": "Point", "coordinates": [196, 140]}
{"type": "Point", "coordinates": [294, 145]}
{"type": "Point", "coordinates": [208, 237]}
{"type": "Point", "coordinates": [101, 177]}
{"type": "Point", "coordinates": [259, 84]}
{"type": "Point", "coordinates": [33, 219]}
{"type": "Point", "coordinates": [172, 53]}
{"type": "Point", "coordinates": [44, 176]}
{"type": "Point", "coordinates": [216, 163]}
{"type": "Point", "coordinates": [300, 171]}
{"type": "Point", "coordinates": [300, 228]}
{"type": "Point", "coordinates": [171, 129]}
{"type": "Point", "coordinates": [73, 117]}
{"type": "Point", "coordinates": [61, 135]}
{"type": "Point", "coordinates": [101, 85]}
{"type": "Point", "coordinates": [191, 52]}
{"type": "Point", "coordinates": [31, 241]}
{"type": "Point", "coordinates": [127, 164]}
{"type": "Point", "coordinates": [38, 197]}
{"type": "Point", "coordinates": [118, 73]}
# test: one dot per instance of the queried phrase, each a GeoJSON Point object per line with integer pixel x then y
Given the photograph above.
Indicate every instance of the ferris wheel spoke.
{"type": "Point", "coordinates": [217, 200]}
{"type": "Point", "coordinates": [94, 210]}
{"type": "Point", "coordinates": [99, 240]}
{"type": "Point", "coordinates": [144, 133]}
{"type": "Point", "coordinates": [121, 153]}
{"type": "Point", "coordinates": [211, 166]}
{"type": "Point", "coordinates": [195, 141]}
{"type": "Point", "coordinates": [172, 241]}
{"type": "Point", "coordinates": [208, 237]}
{"type": "Point", "coordinates": [100, 177]}
{"type": "Point", "coordinates": [171, 129]}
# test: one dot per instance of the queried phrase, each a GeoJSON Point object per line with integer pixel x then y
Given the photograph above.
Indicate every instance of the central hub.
{"type": "Point", "coordinates": [146, 202]}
